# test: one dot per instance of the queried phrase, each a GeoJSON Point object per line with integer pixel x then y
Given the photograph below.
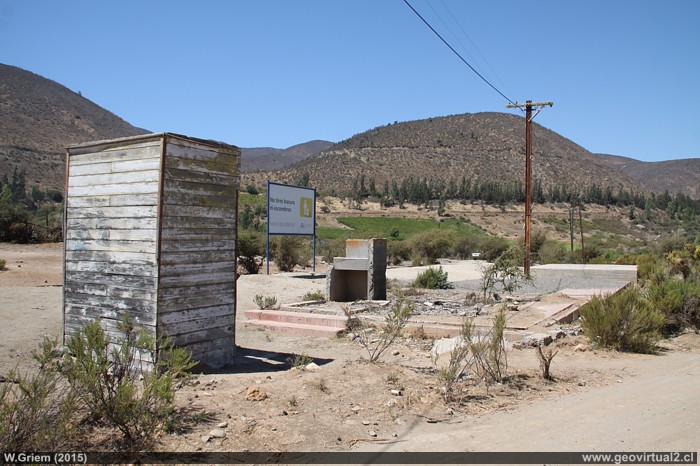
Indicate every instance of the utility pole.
{"type": "Point", "coordinates": [529, 105]}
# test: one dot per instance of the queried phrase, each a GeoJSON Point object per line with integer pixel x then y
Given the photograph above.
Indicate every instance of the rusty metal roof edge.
{"type": "Point", "coordinates": [154, 136]}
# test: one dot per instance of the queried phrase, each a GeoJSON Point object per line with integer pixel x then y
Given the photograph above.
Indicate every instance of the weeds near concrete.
{"type": "Point", "coordinates": [545, 358]}
{"type": "Point", "coordinates": [376, 341]}
{"type": "Point", "coordinates": [314, 296]}
{"type": "Point", "coordinates": [265, 302]}
{"type": "Point", "coordinates": [299, 361]}
{"type": "Point", "coordinates": [504, 275]}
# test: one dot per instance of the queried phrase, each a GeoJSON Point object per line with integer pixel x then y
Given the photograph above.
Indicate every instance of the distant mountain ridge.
{"type": "Point", "coordinates": [270, 159]}
{"type": "Point", "coordinates": [488, 146]}
{"type": "Point", "coordinates": [39, 118]}
{"type": "Point", "coordinates": [674, 176]}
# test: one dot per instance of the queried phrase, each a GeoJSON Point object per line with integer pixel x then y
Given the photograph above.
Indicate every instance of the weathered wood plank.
{"type": "Point", "coordinates": [113, 189]}
{"type": "Point", "coordinates": [111, 245]}
{"type": "Point", "coordinates": [109, 268]}
{"type": "Point", "coordinates": [166, 318]}
{"type": "Point", "coordinates": [135, 306]}
{"type": "Point", "coordinates": [189, 338]}
{"type": "Point", "coordinates": [212, 349]}
{"type": "Point", "coordinates": [113, 235]}
{"type": "Point", "coordinates": [201, 324]}
{"type": "Point", "coordinates": [108, 166]}
{"type": "Point", "coordinates": [133, 258]}
{"type": "Point", "coordinates": [114, 153]}
{"type": "Point", "coordinates": [111, 223]}
{"type": "Point", "coordinates": [177, 224]}
{"type": "Point", "coordinates": [113, 212]}
{"type": "Point", "coordinates": [200, 199]}
{"type": "Point", "coordinates": [175, 175]}
{"type": "Point", "coordinates": [230, 168]}
{"type": "Point", "coordinates": [112, 291]}
{"type": "Point", "coordinates": [192, 302]}
{"type": "Point", "coordinates": [198, 268]}
{"type": "Point", "coordinates": [195, 280]}
{"type": "Point", "coordinates": [205, 233]}
{"type": "Point", "coordinates": [199, 212]}
{"type": "Point", "coordinates": [102, 312]}
{"type": "Point", "coordinates": [213, 244]}
{"type": "Point", "coordinates": [197, 290]}
{"type": "Point", "coordinates": [197, 257]}
{"type": "Point", "coordinates": [183, 150]}
{"type": "Point", "coordinates": [201, 189]}
{"type": "Point", "coordinates": [122, 200]}
{"type": "Point", "coordinates": [130, 178]}
{"type": "Point", "coordinates": [111, 279]}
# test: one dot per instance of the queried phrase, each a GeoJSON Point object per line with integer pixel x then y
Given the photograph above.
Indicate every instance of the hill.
{"type": "Point", "coordinates": [674, 176]}
{"type": "Point", "coordinates": [487, 146]}
{"type": "Point", "coordinates": [270, 159]}
{"type": "Point", "coordinates": [39, 118]}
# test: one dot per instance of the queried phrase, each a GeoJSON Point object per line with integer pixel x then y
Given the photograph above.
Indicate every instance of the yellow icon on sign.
{"type": "Point", "coordinates": [306, 206]}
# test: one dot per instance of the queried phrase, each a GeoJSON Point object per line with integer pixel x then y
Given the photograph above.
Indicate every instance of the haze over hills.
{"type": "Point", "coordinates": [489, 146]}
{"type": "Point", "coordinates": [39, 118]}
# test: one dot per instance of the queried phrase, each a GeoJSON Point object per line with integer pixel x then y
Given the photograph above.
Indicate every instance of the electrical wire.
{"type": "Point", "coordinates": [457, 53]}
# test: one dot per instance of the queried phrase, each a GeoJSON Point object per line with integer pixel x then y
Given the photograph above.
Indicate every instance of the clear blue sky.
{"type": "Point", "coordinates": [624, 75]}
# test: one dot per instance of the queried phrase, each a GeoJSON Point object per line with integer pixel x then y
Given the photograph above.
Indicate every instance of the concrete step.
{"type": "Point", "coordinates": [294, 328]}
{"type": "Point", "coordinates": [302, 318]}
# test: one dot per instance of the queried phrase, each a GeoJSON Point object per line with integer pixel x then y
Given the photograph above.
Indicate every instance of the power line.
{"type": "Point", "coordinates": [457, 53]}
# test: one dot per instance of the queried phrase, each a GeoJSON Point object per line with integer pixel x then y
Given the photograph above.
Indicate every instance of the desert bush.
{"type": "Point", "coordinates": [464, 246]}
{"type": "Point", "coordinates": [624, 321]}
{"type": "Point", "coordinates": [648, 267]}
{"type": "Point", "coordinates": [493, 247]}
{"type": "Point", "coordinates": [504, 275]}
{"type": "Point", "coordinates": [376, 341]}
{"type": "Point", "coordinates": [37, 410]}
{"type": "Point", "coordinates": [545, 357]}
{"type": "Point", "coordinates": [110, 379]}
{"type": "Point", "coordinates": [250, 250]}
{"type": "Point", "coordinates": [433, 278]}
{"type": "Point", "coordinates": [398, 251]}
{"type": "Point", "coordinates": [290, 251]}
{"type": "Point", "coordinates": [3, 262]}
{"type": "Point", "coordinates": [551, 252]}
{"type": "Point", "coordinates": [488, 351]}
{"type": "Point", "coordinates": [314, 296]}
{"type": "Point", "coordinates": [677, 300]}
{"type": "Point", "coordinates": [299, 361]}
{"type": "Point", "coordinates": [265, 302]}
{"type": "Point", "coordinates": [432, 245]}
{"type": "Point", "coordinates": [330, 248]}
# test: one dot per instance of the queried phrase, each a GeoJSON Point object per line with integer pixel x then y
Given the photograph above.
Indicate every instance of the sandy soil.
{"type": "Point", "coordinates": [599, 400]}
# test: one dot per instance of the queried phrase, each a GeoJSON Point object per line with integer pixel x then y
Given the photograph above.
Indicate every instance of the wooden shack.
{"type": "Point", "coordinates": [150, 229]}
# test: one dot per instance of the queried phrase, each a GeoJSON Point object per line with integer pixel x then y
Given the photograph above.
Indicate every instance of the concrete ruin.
{"type": "Point", "coordinates": [361, 274]}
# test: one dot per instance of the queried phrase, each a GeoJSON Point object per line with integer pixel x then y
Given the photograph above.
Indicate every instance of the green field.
{"type": "Point", "coordinates": [395, 228]}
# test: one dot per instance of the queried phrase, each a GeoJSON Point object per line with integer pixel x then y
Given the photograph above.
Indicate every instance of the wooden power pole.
{"type": "Point", "coordinates": [528, 105]}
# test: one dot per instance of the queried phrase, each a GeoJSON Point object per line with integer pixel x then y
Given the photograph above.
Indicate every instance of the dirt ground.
{"type": "Point", "coordinates": [599, 400]}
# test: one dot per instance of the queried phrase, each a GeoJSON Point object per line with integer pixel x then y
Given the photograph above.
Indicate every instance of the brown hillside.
{"type": "Point", "coordinates": [489, 146]}
{"type": "Point", "coordinates": [674, 176]}
{"type": "Point", "coordinates": [39, 118]}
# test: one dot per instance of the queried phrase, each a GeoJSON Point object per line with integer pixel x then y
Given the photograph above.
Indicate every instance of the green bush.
{"type": "Point", "coordinates": [398, 251]}
{"type": "Point", "coordinates": [648, 267]}
{"type": "Point", "coordinates": [624, 321]}
{"type": "Point", "coordinates": [433, 278]}
{"type": "Point", "coordinates": [251, 249]}
{"type": "Point", "coordinates": [314, 296]}
{"type": "Point", "coordinates": [677, 300]}
{"type": "Point", "coordinates": [432, 245]}
{"type": "Point", "coordinates": [552, 252]}
{"type": "Point", "coordinates": [290, 251]}
{"type": "Point", "coordinates": [464, 246]}
{"type": "Point", "coordinates": [111, 380]}
{"type": "Point", "coordinates": [37, 410]}
{"type": "Point", "coordinates": [493, 247]}
{"type": "Point", "coordinates": [2, 264]}
{"type": "Point", "coordinates": [265, 302]}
